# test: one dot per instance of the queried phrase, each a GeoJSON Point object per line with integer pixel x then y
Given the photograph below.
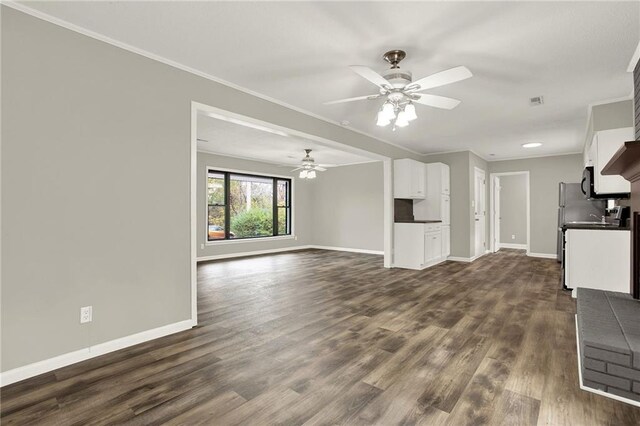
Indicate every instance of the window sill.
{"type": "Point", "coordinates": [250, 240]}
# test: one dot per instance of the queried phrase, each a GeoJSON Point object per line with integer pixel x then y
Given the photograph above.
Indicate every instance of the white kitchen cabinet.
{"type": "Point", "coordinates": [446, 241]}
{"type": "Point", "coordinates": [598, 258]}
{"type": "Point", "coordinates": [438, 179]}
{"type": "Point", "coordinates": [417, 245]}
{"type": "Point", "coordinates": [409, 179]}
{"type": "Point", "coordinates": [436, 206]}
{"type": "Point", "coordinates": [604, 145]}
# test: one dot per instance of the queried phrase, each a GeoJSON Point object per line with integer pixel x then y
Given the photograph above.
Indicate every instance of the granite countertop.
{"type": "Point", "coordinates": [416, 221]}
{"type": "Point", "coordinates": [595, 226]}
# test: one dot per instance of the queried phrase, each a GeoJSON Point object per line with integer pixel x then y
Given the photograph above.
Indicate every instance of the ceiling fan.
{"type": "Point", "coordinates": [309, 167]}
{"type": "Point", "coordinates": [401, 93]}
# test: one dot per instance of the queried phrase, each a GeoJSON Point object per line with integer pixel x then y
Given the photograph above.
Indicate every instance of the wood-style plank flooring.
{"type": "Point", "coordinates": [322, 338]}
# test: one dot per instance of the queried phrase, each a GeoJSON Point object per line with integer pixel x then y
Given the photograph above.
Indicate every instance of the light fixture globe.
{"type": "Point", "coordinates": [311, 174]}
{"type": "Point", "coordinates": [402, 120]}
{"type": "Point", "coordinates": [382, 119]}
{"type": "Point", "coordinates": [410, 111]}
{"type": "Point", "coordinates": [388, 111]}
{"type": "Point", "coordinates": [303, 174]}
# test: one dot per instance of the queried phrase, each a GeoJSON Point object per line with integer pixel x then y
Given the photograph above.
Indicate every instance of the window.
{"type": "Point", "coordinates": [242, 206]}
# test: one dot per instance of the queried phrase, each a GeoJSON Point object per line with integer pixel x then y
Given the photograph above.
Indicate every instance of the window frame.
{"type": "Point", "coordinates": [227, 182]}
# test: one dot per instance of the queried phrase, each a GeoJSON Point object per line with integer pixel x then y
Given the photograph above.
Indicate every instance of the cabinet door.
{"type": "Point", "coordinates": [436, 239]}
{"type": "Point", "coordinates": [428, 249]}
{"type": "Point", "coordinates": [446, 241]}
{"type": "Point", "coordinates": [418, 179]}
{"type": "Point", "coordinates": [445, 209]}
{"type": "Point", "coordinates": [445, 179]}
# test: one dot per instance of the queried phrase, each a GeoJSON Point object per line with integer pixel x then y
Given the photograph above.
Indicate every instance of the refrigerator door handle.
{"type": "Point", "coordinates": [582, 186]}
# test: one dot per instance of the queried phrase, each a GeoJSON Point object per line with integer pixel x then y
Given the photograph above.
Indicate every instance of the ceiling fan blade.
{"type": "Point", "coordinates": [372, 76]}
{"type": "Point", "coordinates": [327, 165]}
{"type": "Point", "coordinates": [436, 101]}
{"type": "Point", "coordinates": [440, 79]}
{"type": "Point", "coordinates": [357, 98]}
{"type": "Point", "coordinates": [320, 169]}
{"type": "Point", "coordinates": [295, 170]}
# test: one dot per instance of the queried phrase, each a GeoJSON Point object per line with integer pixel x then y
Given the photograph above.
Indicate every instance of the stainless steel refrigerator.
{"type": "Point", "coordinates": [573, 206]}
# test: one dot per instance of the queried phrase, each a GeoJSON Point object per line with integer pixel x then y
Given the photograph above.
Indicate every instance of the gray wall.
{"type": "Point", "coordinates": [545, 174]}
{"type": "Point", "coordinates": [95, 174]}
{"type": "Point", "coordinates": [458, 163]}
{"type": "Point", "coordinates": [301, 198]}
{"type": "Point", "coordinates": [513, 209]}
{"type": "Point", "coordinates": [348, 207]}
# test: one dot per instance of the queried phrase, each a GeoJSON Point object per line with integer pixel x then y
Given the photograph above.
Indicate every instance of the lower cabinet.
{"type": "Point", "coordinates": [432, 247]}
{"type": "Point", "coordinates": [419, 245]}
{"type": "Point", "coordinates": [446, 241]}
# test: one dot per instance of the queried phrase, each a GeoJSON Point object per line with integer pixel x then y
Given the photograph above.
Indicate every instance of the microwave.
{"type": "Point", "coordinates": [588, 188]}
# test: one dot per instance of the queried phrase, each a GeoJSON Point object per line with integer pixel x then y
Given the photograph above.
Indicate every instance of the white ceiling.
{"type": "Point", "coordinates": [263, 144]}
{"type": "Point", "coordinates": [572, 53]}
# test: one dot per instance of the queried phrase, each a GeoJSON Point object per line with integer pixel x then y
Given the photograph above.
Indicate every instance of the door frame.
{"type": "Point", "coordinates": [476, 171]}
{"type": "Point", "coordinates": [196, 107]}
{"type": "Point", "coordinates": [492, 176]}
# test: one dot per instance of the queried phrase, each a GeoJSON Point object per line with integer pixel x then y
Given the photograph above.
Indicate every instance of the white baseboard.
{"type": "Point", "coordinates": [467, 259]}
{"type": "Point", "coordinates": [250, 253]}
{"type": "Point", "coordinates": [352, 250]}
{"type": "Point", "coordinates": [44, 366]}
{"type": "Point", "coordinates": [284, 249]}
{"type": "Point", "coordinates": [543, 255]}
{"type": "Point", "coordinates": [512, 246]}
{"type": "Point", "coordinates": [592, 390]}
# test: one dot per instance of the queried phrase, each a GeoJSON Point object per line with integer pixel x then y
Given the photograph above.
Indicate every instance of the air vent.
{"type": "Point", "coordinates": [538, 100]}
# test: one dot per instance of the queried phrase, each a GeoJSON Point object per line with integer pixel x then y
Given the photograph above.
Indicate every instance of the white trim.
{"type": "Point", "coordinates": [247, 172]}
{"type": "Point", "coordinates": [285, 249]}
{"type": "Point", "coordinates": [634, 59]}
{"type": "Point", "coordinates": [543, 255]}
{"type": "Point", "coordinates": [352, 250]}
{"type": "Point", "coordinates": [44, 366]}
{"type": "Point", "coordinates": [592, 390]}
{"type": "Point", "coordinates": [193, 206]}
{"type": "Point", "coordinates": [280, 164]}
{"type": "Point", "coordinates": [101, 37]}
{"type": "Point", "coordinates": [531, 157]}
{"type": "Point", "coordinates": [512, 246]}
{"type": "Point", "coordinates": [250, 253]}
{"type": "Point", "coordinates": [387, 193]}
{"type": "Point", "coordinates": [214, 243]}
{"type": "Point", "coordinates": [492, 176]}
{"type": "Point", "coordinates": [467, 259]}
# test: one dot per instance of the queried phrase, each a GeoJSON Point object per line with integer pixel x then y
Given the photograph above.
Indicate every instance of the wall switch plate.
{"type": "Point", "coordinates": [201, 246]}
{"type": "Point", "coordinates": [513, 237]}
{"type": "Point", "coordinates": [86, 314]}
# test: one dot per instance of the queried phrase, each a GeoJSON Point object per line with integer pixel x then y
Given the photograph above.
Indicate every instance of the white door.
{"type": "Point", "coordinates": [479, 211]}
{"type": "Point", "coordinates": [496, 213]}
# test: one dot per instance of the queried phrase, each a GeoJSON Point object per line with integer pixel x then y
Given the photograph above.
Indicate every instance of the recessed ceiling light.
{"type": "Point", "coordinates": [531, 145]}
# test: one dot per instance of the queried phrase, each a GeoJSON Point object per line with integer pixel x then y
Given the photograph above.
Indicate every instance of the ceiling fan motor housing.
{"type": "Point", "coordinates": [397, 78]}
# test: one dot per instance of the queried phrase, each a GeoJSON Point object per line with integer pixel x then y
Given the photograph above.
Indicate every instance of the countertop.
{"type": "Point", "coordinates": [416, 221]}
{"type": "Point", "coordinates": [595, 227]}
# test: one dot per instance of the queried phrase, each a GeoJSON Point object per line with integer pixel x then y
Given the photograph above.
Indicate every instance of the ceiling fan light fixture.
{"type": "Point", "coordinates": [311, 174]}
{"type": "Point", "coordinates": [410, 112]}
{"type": "Point", "coordinates": [303, 174]}
{"type": "Point", "coordinates": [388, 111]}
{"type": "Point", "coordinates": [402, 120]}
{"type": "Point", "coordinates": [382, 119]}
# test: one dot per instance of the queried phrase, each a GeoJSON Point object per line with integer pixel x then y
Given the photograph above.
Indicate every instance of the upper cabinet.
{"type": "Point", "coordinates": [437, 203]}
{"type": "Point", "coordinates": [604, 145]}
{"type": "Point", "coordinates": [409, 179]}
{"type": "Point", "coordinates": [438, 181]}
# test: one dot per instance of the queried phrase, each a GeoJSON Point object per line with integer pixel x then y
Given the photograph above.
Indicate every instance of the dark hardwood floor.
{"type": "Point", "coordinates": [321, 337]}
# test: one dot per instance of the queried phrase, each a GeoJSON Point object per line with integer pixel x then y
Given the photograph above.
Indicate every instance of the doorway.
{"type": "Point", "coordinates": [510, 216]}
{"type": "Point", "coordinates": [479, 212]}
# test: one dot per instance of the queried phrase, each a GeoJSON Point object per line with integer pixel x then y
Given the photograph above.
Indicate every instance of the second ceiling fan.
{"type": "Point", "coordinates": [402, 93]}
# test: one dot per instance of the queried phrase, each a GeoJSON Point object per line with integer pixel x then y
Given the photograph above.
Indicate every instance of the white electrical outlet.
{"type": "Point", "coordinates": [513, 237]}
{"type": "Point", "coordinates": [201, 246]}
{"type": "Point", "coordinates": [86, 314]}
